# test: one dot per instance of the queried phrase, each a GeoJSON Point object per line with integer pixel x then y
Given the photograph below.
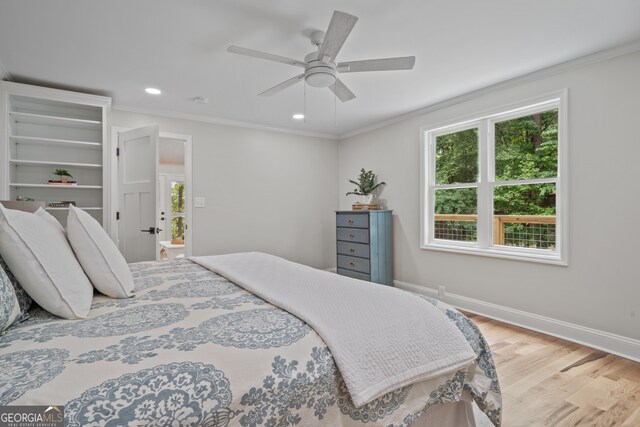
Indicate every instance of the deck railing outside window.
{"type": "Point", "coordinates": [527, 231]}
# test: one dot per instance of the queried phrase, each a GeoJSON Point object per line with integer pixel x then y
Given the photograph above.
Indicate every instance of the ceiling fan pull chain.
{"type": "Point", "coordinates": [335, 108]}
{"type": "Point", "coordinates": [304, 102]}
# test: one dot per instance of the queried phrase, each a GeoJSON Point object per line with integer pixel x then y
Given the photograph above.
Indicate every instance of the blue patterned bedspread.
{"type": "Point", "coordinates": [192, 348]}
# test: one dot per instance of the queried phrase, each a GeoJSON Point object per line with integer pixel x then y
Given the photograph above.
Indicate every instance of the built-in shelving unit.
{"type": "Point", "coordinates": [47, 129]}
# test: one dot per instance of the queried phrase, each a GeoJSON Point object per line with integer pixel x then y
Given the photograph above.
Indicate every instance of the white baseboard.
{"type": "Point", "coordinates": [611, 343]}
{"type": "Point", "coordinates": [332, 269]}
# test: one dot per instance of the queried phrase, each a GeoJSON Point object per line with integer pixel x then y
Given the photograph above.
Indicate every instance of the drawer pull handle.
{"type": "Point", "coordinates": [352, 250]}
{"type": "Point", "coordinates": [350, 221]}
{"type": "Point", "coordinates": [351, 236]}
{"type": "Point", "coordinates": [352, 264]}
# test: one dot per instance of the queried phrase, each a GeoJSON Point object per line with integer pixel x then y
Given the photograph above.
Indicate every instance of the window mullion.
{"type": "Point", "coordinates": [485, 210]}
{"type": "Point", "coordinates": [431, 181]}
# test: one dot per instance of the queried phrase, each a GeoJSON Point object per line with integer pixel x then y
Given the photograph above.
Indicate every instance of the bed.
{"type": "Point", "coordinates": [192, 348]}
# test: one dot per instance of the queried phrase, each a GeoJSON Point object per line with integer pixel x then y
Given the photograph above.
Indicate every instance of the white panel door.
{"type": "Point", "coordinates": [138, 194]}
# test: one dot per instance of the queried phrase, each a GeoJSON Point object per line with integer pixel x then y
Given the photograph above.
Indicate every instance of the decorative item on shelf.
{"type": "Point", "coordinates": [366, 186]}
{"type": "Point", "coordinates": [24, 199]}
{"type": "Point", "coordinates": [64, 176]}
{"type": "Point", "coordinates": [63, 184]}
{"type": "Point", "coordinates": [61, 204]}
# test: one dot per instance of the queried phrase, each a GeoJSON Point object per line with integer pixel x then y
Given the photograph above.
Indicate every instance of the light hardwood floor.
{"type": "Point", "coordinates": [547, 381]}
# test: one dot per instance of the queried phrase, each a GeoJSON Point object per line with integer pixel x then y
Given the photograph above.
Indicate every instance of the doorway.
{"type": "Point", "coordinates": [166, 159]}
{"type": "Point", "coordinates": [171, 244]}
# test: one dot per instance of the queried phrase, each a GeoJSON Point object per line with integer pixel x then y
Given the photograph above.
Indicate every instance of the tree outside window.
{"type": "Point", "coordinates": [177, 210]}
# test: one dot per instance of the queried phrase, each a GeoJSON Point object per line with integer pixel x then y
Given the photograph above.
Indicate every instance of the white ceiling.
{"type": "Point", "coordinates": [119, 47]}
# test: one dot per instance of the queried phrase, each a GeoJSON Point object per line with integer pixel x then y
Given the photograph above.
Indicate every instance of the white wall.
{"type": "Point", "coordinates": [600, 288]}
{"type": "Point", "coordinates": [265, 191]}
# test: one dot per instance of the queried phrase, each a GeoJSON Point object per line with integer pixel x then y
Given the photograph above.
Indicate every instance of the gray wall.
{"type": "Point", "coordinates": [600, 288]}
{"type": "Point", "coordinates": [265, 191]}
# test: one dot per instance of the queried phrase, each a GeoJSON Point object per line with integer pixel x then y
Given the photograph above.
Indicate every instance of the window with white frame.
{"type": "Point", "coordinates": [494, 185]}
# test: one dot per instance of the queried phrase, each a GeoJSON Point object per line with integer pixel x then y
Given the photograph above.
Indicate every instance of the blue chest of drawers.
{"type": "Point", "coordinates": [365, 245]}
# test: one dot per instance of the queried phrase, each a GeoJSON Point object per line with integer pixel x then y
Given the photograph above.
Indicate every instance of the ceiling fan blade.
{"type": "Point", "coordinates": [383, 64]}
{"type": "Point", "coordinates": [339, 29]}
{"type": "Point", "coordinates": [263, 55]}
{"type": "Point", "coordinates": [282, 86]}
{"type": "Point", "coordinates": [342, 91]}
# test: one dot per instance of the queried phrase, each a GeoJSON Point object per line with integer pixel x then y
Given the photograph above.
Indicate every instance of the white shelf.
{"type": "Point", "coordinates": [79, 207]}
{"type": "Point", "coordinates": [58, 142]}
{"type": "Point", "coordinates": [45, 163]}
{"type": "Point", "coordinates": [57, 187]}
{"type": "Point", "coordinates": [43, 119]}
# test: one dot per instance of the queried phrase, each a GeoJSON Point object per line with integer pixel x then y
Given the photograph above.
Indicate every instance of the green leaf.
{"type": "Point", "coordinates": [365, 184]}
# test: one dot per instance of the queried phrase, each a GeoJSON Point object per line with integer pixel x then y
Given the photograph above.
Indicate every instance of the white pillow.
{"type": "Point", "coordinates": [50, 219]}
{"type": "Point", "coordinates": [98, 255]}
{"type": "Point", "coordinates": [44, 264]}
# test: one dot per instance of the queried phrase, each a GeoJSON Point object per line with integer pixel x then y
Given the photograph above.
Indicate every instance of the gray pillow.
{"type": "Point", "coordinates": [24, 300]}
{"type": "Point", "coordinates": [9, 307]}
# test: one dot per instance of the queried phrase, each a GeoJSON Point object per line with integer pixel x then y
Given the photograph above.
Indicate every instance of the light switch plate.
{"type": "Point", "coordinates": [199, 202]}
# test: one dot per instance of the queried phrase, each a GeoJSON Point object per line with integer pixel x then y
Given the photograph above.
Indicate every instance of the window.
{"type": "Point", "coordinates": [177, 210]}
{"type": "Point", "coordinates": [493, 185]}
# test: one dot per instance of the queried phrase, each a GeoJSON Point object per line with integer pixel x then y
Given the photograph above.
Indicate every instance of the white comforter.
{"type": "Point", "coordinates": [381, 338]}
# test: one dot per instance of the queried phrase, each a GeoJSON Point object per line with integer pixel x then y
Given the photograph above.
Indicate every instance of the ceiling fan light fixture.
{"type": "Point", "coordinates": [321, 80]}
{"type": "Point", "coordinates": [320, 74]}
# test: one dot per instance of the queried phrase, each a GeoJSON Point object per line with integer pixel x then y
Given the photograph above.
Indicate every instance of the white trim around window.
{"type": "Point", "coordinates": [484, 122]}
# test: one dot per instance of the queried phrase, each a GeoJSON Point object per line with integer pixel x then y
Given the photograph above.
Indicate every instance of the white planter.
{"type": "Point", "coordinates": [366, 200]}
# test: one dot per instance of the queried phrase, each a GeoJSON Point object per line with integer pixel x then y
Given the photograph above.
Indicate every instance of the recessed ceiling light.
{"type": "Point", "coordinates": [298, 116]}
{"type": "Point", "coordinates": [153, 91]}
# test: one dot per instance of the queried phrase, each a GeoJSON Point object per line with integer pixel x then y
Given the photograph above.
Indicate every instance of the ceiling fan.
{"type": "Point", "coordinates": [320, 68]}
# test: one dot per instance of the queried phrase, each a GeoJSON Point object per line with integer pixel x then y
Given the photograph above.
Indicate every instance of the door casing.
{"type": "Point", "coordinates": [188, 181]}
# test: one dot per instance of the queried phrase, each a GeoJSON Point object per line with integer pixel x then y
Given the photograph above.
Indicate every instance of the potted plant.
{"type": "Point", "coordinates": [365, 186]}
{"type": "Point", "coordinates": [63, 174]}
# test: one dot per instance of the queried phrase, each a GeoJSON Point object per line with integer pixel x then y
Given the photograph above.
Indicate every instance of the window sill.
{"type": "Point", "coordinates": [528, 256]}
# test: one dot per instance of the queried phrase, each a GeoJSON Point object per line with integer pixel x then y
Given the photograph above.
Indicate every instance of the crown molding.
{"type": "Point", "coordinates": [582, 61]}
{"type": "Point", "coordinates": [221, 121]}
